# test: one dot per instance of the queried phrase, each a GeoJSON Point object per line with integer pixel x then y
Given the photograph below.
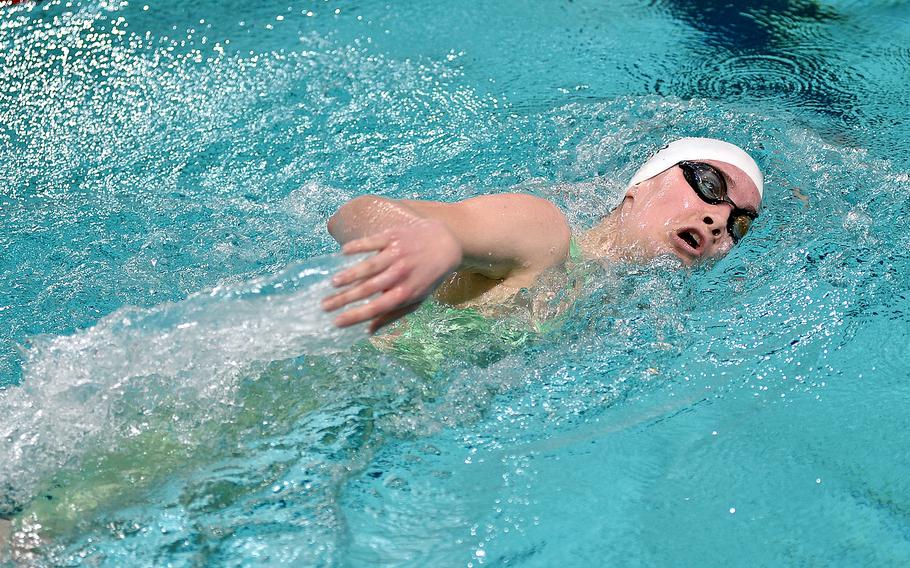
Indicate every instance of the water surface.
{"type": "Point", "coordinates": [173, 397]}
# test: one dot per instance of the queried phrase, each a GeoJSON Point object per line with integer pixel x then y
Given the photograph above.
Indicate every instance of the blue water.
{"type": "Point", "coordinates": [172, 397]}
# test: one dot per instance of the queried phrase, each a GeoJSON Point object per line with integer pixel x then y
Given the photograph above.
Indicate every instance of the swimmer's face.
{"type": "Point", "coordinates": [665, 215]}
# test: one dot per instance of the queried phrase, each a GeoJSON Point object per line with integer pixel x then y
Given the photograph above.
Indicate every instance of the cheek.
{"type": "Point", "coordinates": [687, 202]}
{"type": "Point", "coordinates": [666, 212]}
{"type": "Point", "coordinates": [656, 219]}
{"type": "Point", "coordinates": [662, 210]}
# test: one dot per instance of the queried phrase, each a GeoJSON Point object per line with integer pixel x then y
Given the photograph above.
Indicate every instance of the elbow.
{"type": "Point", "coordinates": [341, 224]}
{"type": "Point", "coordinates": [334, 224]}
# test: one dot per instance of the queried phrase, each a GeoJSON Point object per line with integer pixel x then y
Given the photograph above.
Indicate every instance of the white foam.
{"type": "Point", "coordinates": [187, 353]}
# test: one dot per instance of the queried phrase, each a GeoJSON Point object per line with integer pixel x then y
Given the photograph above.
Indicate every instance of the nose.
{"type": "Point", "coordinates": [716, 223]}
{"type": "Point", "coordinates": [714, 227]}
{"type": "Point", "coordinates": [716, 219]}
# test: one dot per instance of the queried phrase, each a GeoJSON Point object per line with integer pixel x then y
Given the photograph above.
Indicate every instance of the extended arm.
{"type": "Point", "coordinates": [510, 238]}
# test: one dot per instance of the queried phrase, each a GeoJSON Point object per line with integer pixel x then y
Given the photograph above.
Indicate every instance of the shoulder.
{"type": "Point", "coordinates": [519, 208]}
{"type": "Point", "coordinates": [538, 229]}
{"type": "Point", "coordinates": [515, 232]}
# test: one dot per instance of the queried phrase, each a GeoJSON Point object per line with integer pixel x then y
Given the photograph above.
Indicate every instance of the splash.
{"type": "Point", "coordinates": [89, 388]}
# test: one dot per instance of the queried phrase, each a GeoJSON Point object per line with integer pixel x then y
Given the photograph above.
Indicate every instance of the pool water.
{"type": "Point", "coordinates": [171, 395]}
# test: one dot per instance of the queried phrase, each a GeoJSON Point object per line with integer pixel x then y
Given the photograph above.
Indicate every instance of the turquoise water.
{"type": "Point", "coordinates": [173, 397]}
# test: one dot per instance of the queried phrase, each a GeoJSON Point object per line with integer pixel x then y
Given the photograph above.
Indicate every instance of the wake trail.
{"type": "Point", "coordinates": [101, 383]}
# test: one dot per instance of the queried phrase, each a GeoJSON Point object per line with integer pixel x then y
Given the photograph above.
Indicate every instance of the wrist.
{"type": "Point", "coordinates": [447, 248]}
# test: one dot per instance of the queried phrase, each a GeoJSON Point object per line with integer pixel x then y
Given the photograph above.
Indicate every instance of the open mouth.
{"type": "Point", "coordinates": [691, 238]}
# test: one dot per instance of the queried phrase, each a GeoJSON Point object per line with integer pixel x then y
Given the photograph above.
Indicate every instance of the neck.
{"type": "Point", "coordinates": [603, 240]}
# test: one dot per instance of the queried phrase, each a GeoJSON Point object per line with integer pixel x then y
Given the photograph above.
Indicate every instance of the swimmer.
{"type": "Point", "coordinates": [694, 199]}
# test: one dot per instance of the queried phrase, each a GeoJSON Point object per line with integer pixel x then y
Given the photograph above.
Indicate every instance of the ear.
{"type": "Point", "coordinates": [634, 190]}
{"type": "Point", "coordinates": [623, 206]}
{"type": "Point", "coordinates": [639, 190]}
{"type": "Point", "coordinates": [631, 193]}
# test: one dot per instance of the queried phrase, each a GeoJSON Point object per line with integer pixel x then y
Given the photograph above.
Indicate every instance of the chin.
{"type": "Point", "coordinates": [680, 259]}
{"type": "Point", "coordinates": [667, 257]}
{"type": "Point", "coordinates": [669, 252]}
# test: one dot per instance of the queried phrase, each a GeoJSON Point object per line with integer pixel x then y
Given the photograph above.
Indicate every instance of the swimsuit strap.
{"type": "Point", "coordinates": [575, 254]}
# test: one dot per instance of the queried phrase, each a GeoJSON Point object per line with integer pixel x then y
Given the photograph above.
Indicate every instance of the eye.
{"type": "Point", "coordinates": [739, 226]}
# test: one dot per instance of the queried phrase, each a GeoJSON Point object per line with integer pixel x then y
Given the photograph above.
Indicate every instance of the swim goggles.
{"type": "Point", "coordinates": [710, 186]}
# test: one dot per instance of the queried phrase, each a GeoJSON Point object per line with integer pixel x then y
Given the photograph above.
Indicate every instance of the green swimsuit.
{"type": "Point", "coordinates": [437, 332]}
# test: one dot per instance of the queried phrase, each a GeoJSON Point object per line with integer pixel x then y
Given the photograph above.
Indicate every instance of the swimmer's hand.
{"type": "Point", "coordinates": [411, 261]}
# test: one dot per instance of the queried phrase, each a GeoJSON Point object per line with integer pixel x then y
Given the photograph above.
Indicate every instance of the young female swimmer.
{"type": "Point", "coordinates": [694, 199]}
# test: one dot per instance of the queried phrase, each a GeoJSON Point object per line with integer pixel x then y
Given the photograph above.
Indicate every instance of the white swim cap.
{"type": "Point", "coordinates": [699, 149]}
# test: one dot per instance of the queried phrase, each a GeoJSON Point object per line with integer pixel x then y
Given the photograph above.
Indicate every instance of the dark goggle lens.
{"type": "Point", "coordinates": [705, 180]}
{"type": "Point", "coordinates": [739, 226]}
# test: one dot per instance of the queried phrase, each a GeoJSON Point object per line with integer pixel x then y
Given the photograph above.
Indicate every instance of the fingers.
{"type": "Point", "coordinates": [364, 269]}
{"type": "Point", "coordinates": [387, 318]}
{"type": "Point", "coordinates": [382, 281]}
{"type": "Point", "coordinates": [387, 302]}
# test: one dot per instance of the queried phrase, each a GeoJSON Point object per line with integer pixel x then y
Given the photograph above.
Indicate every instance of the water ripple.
{"type": "Point", "coordinates": [801, 77]}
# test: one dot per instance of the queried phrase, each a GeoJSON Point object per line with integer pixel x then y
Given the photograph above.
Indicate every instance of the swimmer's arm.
{"type": "Point", "coordinates": [504, 236]}
{"type": "Point", "coordinates": [500, 236]}
{"type": "Point", "coordinates": [510, 237]}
